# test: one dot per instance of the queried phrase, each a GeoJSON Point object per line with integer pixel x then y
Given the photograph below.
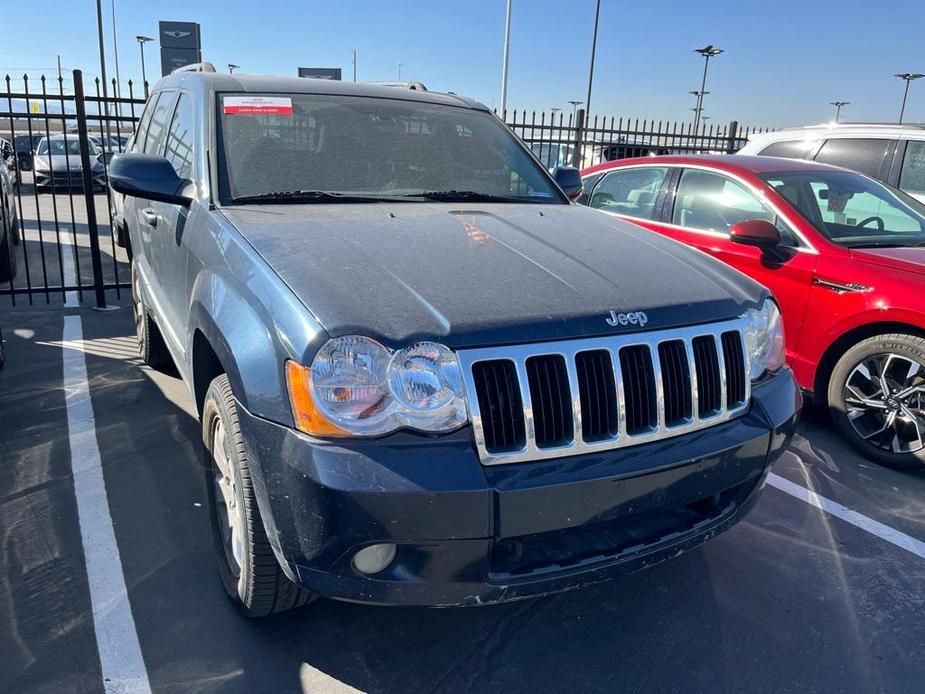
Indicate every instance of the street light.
{"type": "Point", "coordinates": [232, 67]}
{"type": "Point", "coordinates": [838, 105]}
{"type": "Point", "coordinates": [908, 77]}
{"type": "Point", "coordinates": [707, 52]}
{"type": "Point", "coordinates": [142, 40]}
{"type": "Point", "coordinates": [575, 105]}
{"type": "Point", "coordinates": [399, 72]}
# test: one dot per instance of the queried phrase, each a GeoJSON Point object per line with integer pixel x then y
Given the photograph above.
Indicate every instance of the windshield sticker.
{"type": "Point", "coordinates": [257, 105]}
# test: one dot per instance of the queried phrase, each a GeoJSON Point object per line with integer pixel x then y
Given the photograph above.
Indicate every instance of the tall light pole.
{"type": "Point", "coordinates": [575, 105]}
{"type": "Point", "coordinates": [399, 72]}
{"type": "Point", "coordinates": [707, 52]}
{"type": "Point", "coordinates": [507, 57]}
{"type": "Point", "coordinates": [908, 77]}
{"type": "Point", "coordinates": [115, 49]}
{"type": "Point", "coordinates": [838, 105]}
{"type": "Point", "coordinates": [354, 64]}
{"type": "Point", "coordinates": [697, 96]}
{"type": "Point", "coordinates": [232, 67]}
{"type": "Point", "coordinates": [597, 17]}
{"type": "Point", "coordinates": [142, 40]}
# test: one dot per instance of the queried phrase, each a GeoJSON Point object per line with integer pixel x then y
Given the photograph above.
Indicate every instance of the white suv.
{"type": "Point", "coordinates": [894, 154]}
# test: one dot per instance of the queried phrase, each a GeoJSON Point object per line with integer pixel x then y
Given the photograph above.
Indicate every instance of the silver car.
{"type": "Point", "coordinates": [57, 162]}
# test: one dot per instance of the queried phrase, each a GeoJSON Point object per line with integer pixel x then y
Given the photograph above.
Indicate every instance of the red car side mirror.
{"type": "Point", "coordinates": [755, 232]}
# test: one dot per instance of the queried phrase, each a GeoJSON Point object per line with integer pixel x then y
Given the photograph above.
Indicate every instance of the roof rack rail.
{"type": "Point", "coordinates": [413, 85]}
{"type": "Point", "coordinates": [195, 67]}
{"type": "Point", "coordinates": [848, 124]}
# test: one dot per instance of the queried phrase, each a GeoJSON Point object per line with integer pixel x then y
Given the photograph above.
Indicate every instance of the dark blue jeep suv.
{"type": "Point", "coordinates": [424, 376]}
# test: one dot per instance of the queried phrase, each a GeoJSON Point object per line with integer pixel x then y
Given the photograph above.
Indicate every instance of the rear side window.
{"type": "Point", "coordinates": [864, 155]}
{"type": "Point", "coordinates": [157, 127]}
{"type": "Point", "coordinates": [912, 177]}
{"type": "Point", "coordinates": [629, 191]}
{"type": "Point", "coordinates": [180, 139]}
{"type": "Point", "coordinates": [790, 149]}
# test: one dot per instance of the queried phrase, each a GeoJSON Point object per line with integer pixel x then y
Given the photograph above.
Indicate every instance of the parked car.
{"type": "Point", "coordinates": [423, 376]}
{"type": "Point", "coordinates": [25, 145]}
{"type": "Point", "coordinates": [553, 154]}
{"type": "Point", "coordinates": [8, 159]}
{"type": "Point", "coordinates": [57, 162]}
{"type": "Point", "coordinates": [893, 154]}
{"type": "Point", "coordinates": [10, 233]}
{"type": "Point", "coordinates": [842, 254]}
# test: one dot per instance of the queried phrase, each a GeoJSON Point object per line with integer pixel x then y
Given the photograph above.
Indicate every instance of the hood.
{"type": "Point", "coordinates": [475, 275]}
{"type": "Point", "coordinates": [61, 162]}
{"type": "Point", "coordinates": [908, 259]}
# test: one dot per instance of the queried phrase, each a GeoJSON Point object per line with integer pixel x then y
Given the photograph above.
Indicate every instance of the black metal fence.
{"type": "Point", "coordinates": [571, 140]}
{"type": "Point", "coordinates": [57, 241]}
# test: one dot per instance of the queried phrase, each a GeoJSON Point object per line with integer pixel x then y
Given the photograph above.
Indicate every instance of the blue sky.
{"type": "Point", "coordinates": [784, 61]}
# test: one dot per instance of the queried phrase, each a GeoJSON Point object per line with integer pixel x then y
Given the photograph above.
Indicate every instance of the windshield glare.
{"type": "Point", "coordinates": [853, 210]}
{"type": "Point", "coordinates": [376, 147]}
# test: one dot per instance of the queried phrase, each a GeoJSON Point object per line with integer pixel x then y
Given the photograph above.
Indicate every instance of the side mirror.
{"type": "Point", "coordinates": [150, 177]}
{"type": "Point", "coordinates": [755, 232]}
{"type": "Point", "coordinates": [569, 180]}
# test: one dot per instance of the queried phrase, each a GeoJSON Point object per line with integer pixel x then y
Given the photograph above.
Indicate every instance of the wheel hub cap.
{"type": "Point", "coordinates": [885, 399]}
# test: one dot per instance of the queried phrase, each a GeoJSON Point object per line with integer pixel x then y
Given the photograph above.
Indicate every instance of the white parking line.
{"type": "Point", "coordinates": [884, 532]}
{"type": "Point", "coordinates": [68, 251]}
{"type": "Point", "coordinates": [121, 661]}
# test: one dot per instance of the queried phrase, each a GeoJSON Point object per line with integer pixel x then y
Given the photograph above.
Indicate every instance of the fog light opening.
{"type": "Point", "coordinates": [373, 559]}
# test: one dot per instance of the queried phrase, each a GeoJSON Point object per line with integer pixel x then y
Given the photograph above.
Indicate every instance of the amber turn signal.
{"type": "Point", "coordinates": [308, 417]}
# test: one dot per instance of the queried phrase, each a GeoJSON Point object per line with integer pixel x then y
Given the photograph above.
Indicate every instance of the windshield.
{"type": "Point", "coordinates": [372, 149]}
{"type": "Point", "coordinates": [57, 147]}
{"type": "Point", "coordinates": [853, 210]}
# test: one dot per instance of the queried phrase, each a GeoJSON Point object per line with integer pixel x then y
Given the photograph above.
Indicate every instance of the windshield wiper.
{"type": "Point", "coordinates": [323, 196]}
{"type": "Point", "coordinates": [468, 196]}
{"type": "Point", "coordinates": [878, 244]}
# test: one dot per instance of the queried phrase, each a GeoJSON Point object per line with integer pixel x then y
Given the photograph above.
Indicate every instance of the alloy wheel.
{"type": "Point", "coordinates": [230, 518]}
{"type": "Point", "coordinates": [885, 399]}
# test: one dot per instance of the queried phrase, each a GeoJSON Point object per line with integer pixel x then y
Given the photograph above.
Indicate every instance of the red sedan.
{"type": "Point", "coordinates": [843, 254]}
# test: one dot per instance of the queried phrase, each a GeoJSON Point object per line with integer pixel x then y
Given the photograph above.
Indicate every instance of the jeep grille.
{"type": "Point", "coordinates": [554, 399]}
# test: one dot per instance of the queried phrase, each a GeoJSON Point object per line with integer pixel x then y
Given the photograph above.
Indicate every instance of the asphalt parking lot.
{"type": "Point", "coordinates": [792, 599]}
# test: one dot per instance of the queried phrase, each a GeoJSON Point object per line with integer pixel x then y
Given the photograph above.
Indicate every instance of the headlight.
{"type": "Point", "coordinates": [40, 163]}
{"type": "Point", "coordinates": [764, 339]}
{"type": "Point", "coordinates": [357, 387]}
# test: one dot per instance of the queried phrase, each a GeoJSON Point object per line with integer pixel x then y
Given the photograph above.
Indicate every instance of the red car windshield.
{"type": "Point", "coordinates": [852, 210]}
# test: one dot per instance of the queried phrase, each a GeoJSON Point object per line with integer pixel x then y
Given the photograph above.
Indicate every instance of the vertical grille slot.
{"type": "Point", "coordinates": [598, 393]}
{"type": "Point", "coordinates": [500, 405]}
{"type": "Point", "coordinates": [676, 382]}
{"type": "Point", "coordinates": [550, 394]}
{"type": "Point", "coordinates": [706, 363]}
{"type": "Point", "coordinates": [638, 389]}
{"type": "Point", "coordinates": [734, 357]}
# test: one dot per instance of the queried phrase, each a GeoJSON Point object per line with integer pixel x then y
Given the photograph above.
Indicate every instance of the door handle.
{"type": "Point", "coordinates": [150, 216]}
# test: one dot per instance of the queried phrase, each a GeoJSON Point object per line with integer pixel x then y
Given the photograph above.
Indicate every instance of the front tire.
{"type": "Point", "coordinates": [877, 399]}
{"type": "Point", "coordinates": [249, 570]}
